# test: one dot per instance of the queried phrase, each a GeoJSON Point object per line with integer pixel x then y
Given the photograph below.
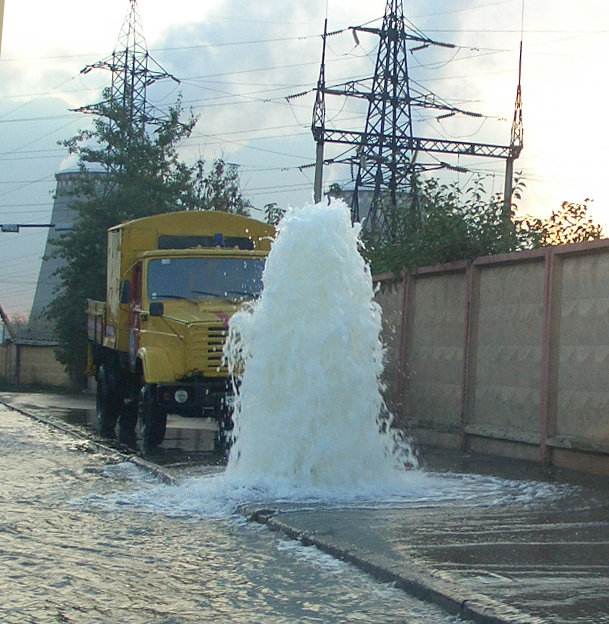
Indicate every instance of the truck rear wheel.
{"type": "Point", "coordinates": [106, 403]}
{"type": "Point", "coordinates": [153, 419]}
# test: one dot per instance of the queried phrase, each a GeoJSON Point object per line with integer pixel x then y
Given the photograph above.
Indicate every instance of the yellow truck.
{"type": "Point", "coordinates": [155, 344]}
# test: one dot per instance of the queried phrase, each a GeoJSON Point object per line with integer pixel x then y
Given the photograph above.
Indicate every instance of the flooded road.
{"type": "Point", "coordinates": [76, 547]}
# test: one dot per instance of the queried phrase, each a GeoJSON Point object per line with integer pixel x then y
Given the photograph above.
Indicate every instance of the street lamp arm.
{"type": "Point", "coordinates": [15, 227]}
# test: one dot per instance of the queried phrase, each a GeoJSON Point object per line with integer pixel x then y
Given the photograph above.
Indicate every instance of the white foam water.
{"type": "Point", "coordinates": [308, 358]}
{"type": "Point", "coordinates": [219, 496]}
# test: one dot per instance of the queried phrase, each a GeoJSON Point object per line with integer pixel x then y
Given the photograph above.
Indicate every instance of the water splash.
{"type": "Point", "coordinates": [308, 410]}
{"type": "Point", "coordinates": [216, 495]}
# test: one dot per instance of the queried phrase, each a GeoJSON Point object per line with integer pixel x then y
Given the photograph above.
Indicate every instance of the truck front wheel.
{"type": "Point", "coordinates": [153, 418]}
{"type": "Point", "coordinates": [106, 403]}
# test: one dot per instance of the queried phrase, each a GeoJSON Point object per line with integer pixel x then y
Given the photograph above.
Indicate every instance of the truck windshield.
{"type": "Point", "coordinates": [205, 278]}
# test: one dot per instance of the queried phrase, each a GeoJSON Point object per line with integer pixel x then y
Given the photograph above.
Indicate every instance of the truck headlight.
{"type": "Point", "coordinates": [181, 396]}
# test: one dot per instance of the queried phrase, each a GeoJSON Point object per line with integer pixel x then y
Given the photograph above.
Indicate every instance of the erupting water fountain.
{"type": "Point", "coordinates": [308, 359]}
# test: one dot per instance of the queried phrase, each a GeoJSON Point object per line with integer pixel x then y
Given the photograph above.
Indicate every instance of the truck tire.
{"type": "Point", "coordinates": [153, 419]}
{"type": "Point", "coordinates": [106, 403]}
{"type": "Point", "coordinates": [127, 424]}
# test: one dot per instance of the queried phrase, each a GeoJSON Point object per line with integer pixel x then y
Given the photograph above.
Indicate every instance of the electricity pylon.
{"type": "Point", "coordinates": [516, 145]}
{"type": "Point", "coordinates": [133, 71]}
{"type": "Point", "coordinates": [386, 151]}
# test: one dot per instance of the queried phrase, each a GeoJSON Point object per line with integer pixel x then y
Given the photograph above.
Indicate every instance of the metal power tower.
{"type": "Point", "coordinates": [385, 156]}
{"type": "Point", "coordinates": [133, 71]}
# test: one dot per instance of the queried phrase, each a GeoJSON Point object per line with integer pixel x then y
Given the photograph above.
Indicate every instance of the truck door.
{"type": "Point", "coordinates": [135, 310]}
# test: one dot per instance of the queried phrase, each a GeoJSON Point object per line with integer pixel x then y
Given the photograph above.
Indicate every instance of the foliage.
{"type": "Point", "coordinates": [220, 189]}
{"type": "Point", "coordinates": [15, 324]}
{"type": "Point", "coordinates": [335, 190]}
{"type": "Point", "coordinates": [125, 173]}
{"type": "Point", "coordinates": [448, 224]}
{"type": "Point", "coordinates": [445, 225]}
{"type": "Point", "coordinates": [273, 214]}
{"type": "Point", "coordinates": [18, 322]}
{"type": "Point", "coordinates": [570, 224]}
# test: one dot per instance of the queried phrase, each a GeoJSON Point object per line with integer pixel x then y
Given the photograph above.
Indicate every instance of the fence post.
{"type": "Point", "coordinates": [470, 343]}
{"type": "Point", "coordinates": [402, 343]}
{"type": "Point", "coordinates": [549, 352]}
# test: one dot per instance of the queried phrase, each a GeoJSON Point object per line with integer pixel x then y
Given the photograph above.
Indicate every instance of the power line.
{"type": "Point", "coordinates": [199, 46]}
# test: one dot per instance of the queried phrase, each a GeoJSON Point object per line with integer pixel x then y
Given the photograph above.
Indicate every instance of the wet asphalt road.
{"type": "Point", "coordinates": [533, 548]}
{"type": "Point", "coordinates": [189, 441]}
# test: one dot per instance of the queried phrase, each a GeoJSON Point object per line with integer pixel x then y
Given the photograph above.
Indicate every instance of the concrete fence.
{"type": "Point", "coordinates": [507, 355]}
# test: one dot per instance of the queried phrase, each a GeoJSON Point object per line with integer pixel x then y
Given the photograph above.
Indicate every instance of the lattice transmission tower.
{"type": "Point", "coordinates": [384, 155]}
{"type": "Point", "coordinates": [133, 71]}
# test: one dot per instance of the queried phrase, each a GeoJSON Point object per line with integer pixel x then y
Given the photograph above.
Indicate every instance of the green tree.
{"type": "Point", "coordinates": [336, 191]}
{"type": "Point", "coordinates": [273, 214]}
{"type": "Point", "coordinates": [571, 223]}
{"type": "Point", "coordinates": [136, 173]}
{"type": "Point", "coordinates": [220, 189]}
{"type": "Point", "coordinates": [449, 224]}
{"type": "Point", "coordinates": [446, 224]}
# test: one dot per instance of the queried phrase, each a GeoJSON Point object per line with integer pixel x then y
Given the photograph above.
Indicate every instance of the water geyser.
{"type": "Point", "coordinates": [308, 358]}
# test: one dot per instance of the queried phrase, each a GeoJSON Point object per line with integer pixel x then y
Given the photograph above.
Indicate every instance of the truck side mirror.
{"type": "Point", "coordinates": [156, 308]}
{"type": "Point", "coordinates": [125, 291]}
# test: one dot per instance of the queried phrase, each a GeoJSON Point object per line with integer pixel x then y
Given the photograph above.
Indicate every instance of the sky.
{"type": "Point", "coordinates": [239, 62]}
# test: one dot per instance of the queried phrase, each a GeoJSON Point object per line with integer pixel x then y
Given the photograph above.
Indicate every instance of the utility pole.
{"type": "Point", "coordinates": [7, 323]}
{"type": "Point", "coordinates": [385, 154]}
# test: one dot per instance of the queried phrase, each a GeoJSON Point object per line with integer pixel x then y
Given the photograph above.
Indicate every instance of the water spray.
{"type": "Point", "coordinates": [307, 357]}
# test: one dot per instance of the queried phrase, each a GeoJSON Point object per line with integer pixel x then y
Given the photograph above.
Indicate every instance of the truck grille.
{"type": "Point", "coordinates": [205, 351]}
{"type": "Point", "coordinates": [215, 344]}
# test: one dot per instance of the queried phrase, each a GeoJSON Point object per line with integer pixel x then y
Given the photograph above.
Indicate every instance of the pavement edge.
{"type": "Point", "coordinates": [96, 445]}
{"type": "Point", "coordinates": [407, 574]}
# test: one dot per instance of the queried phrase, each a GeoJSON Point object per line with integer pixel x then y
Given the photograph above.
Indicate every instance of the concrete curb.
{"type": "Point", "coordinates": [407, 574]}
{"type": "Point", "coordinates": [97, 445]}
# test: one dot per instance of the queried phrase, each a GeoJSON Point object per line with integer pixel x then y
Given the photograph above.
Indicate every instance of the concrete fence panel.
{"type": "Point", "coordinates": [506, 388]}
{"type": "Point", "coordinates": [434, 352]}
{"type": "Point", "coordinates": [582, 406]}
{"type": "Point", "coordinates": [24, 363]}
{"type": "Point", "coordinates": [390, 297]}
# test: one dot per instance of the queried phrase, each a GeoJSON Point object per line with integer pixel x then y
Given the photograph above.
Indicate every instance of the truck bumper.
{"type": "Point", "coordinates": [211, 398]}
